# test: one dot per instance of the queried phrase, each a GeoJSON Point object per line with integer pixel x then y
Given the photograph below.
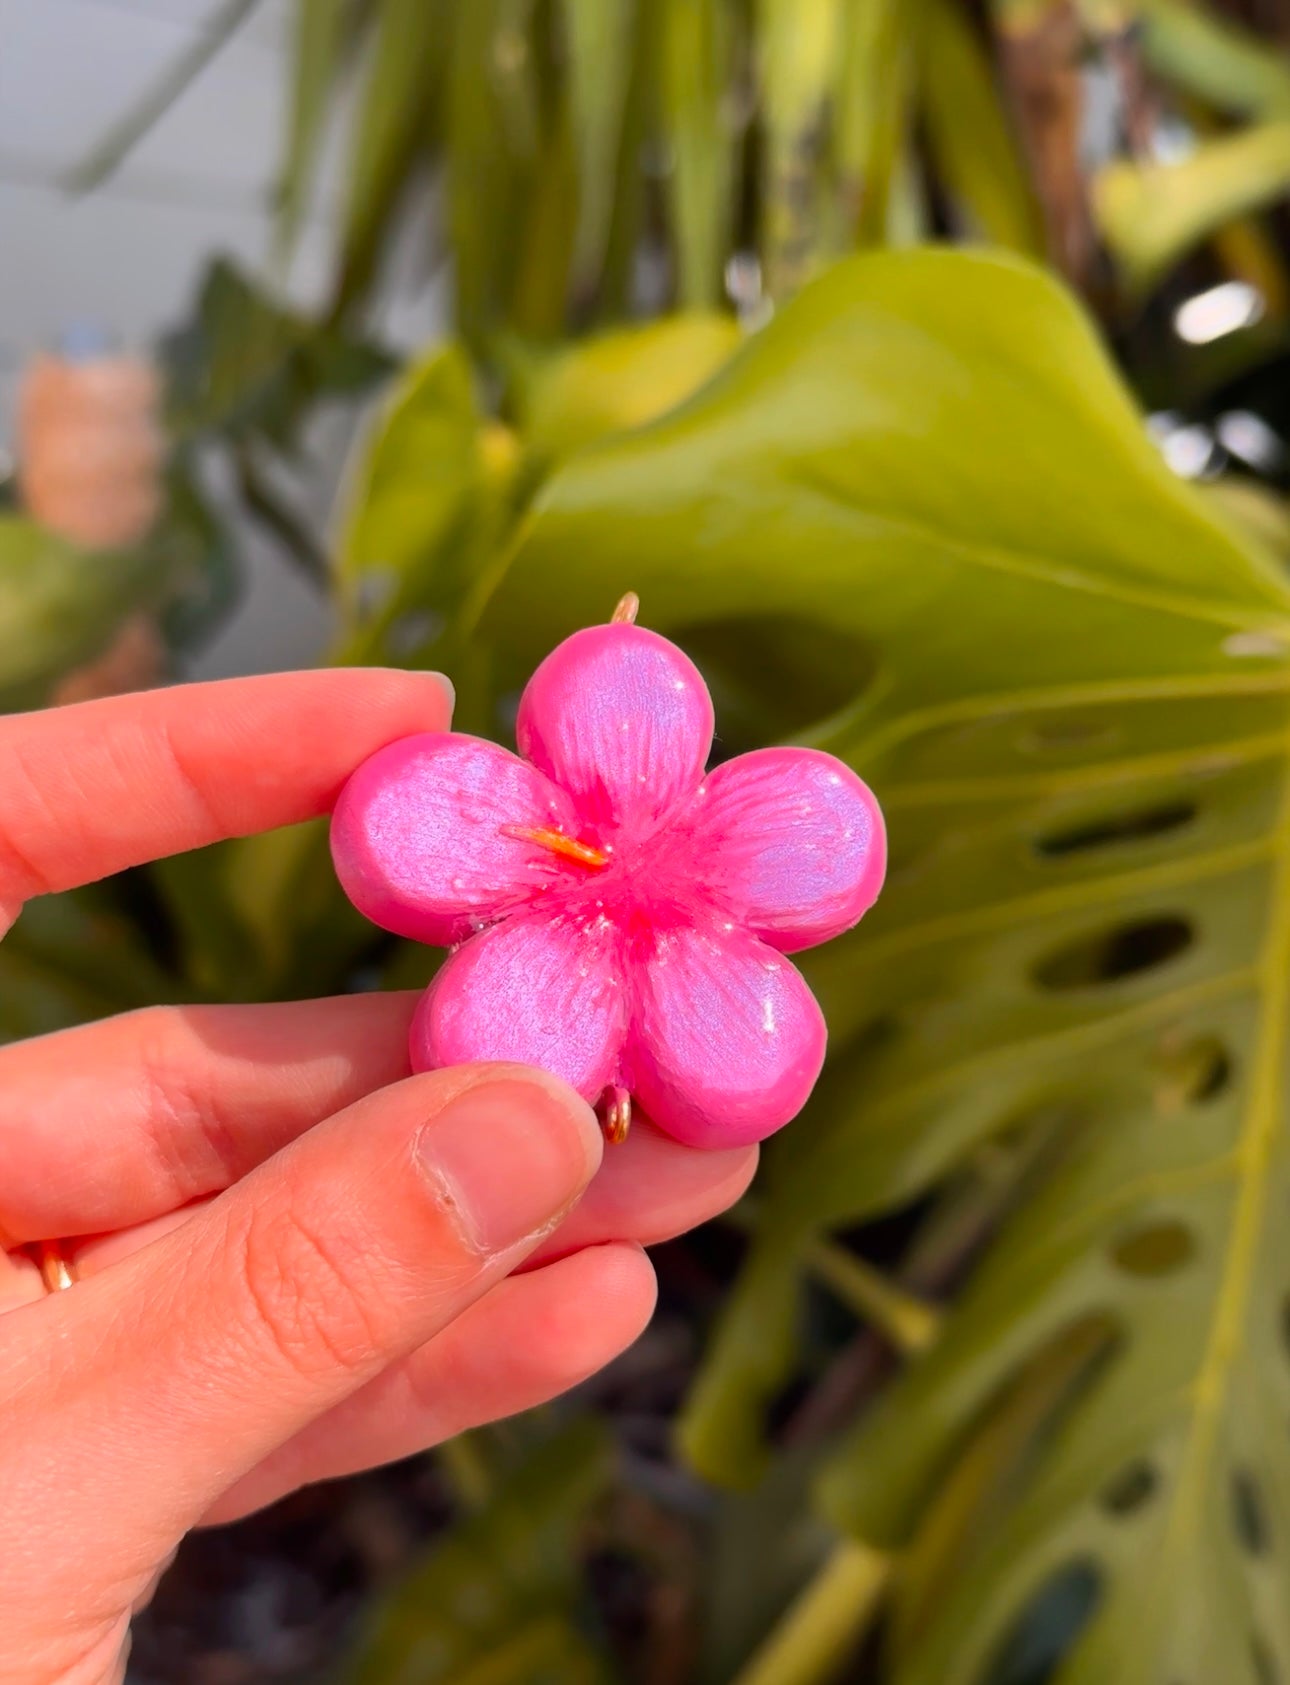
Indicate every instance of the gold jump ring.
{"type": "Point", "coordinates": [55, 1269]}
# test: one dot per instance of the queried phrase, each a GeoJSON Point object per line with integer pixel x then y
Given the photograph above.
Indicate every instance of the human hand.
{"type": "Point", "coordinates": [294, 1260]}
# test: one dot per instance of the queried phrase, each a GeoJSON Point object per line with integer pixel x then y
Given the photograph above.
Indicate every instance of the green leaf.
{"type": "Point", "coordinates": [698, 39]}
{"type": "Point", "coordinates": [216, 947]}
{"type": "Point", "coordinates": [220, 363]}
{"type": "Point", "coordinates": [538, 297]}
{"type": "Point", "coordinates": [991, 1468]}
{"type": "Point", "coordinates": [600, 36]}
{"type": "Point", "coordinates": [1213, 57]}
{"type": "Point", "coordinates": [617, 296]}
{"type": "Point", "coordinates": [1076, 719]}
{"type": "Point", "coordinates": [496, 136]}
{"type": "Point", "coordinates": [968, 130]}
{"type": "Point", "coordinates": [74, 957]}
{"type": "Point", "coordinates": [404, 83]}
{"type": "Point", "coordinates": [900, 439]}
{"type": "Point", "coordinates": [431, 492]}
{"type": "Point", "coordinates": [616, 380]}
{"type": "Point", "coordinates": [59, 606]}
{"type": "Point", "coordinates": [415, 470]}
{"type": "Point", "coordinates": [249, 369]}
{"type": "Point", "coordinates": [262, 499]}
{"type": "Point", "coordinates": [305, 936]}
{"type": "Point", "coordinates": [317, 54]}
{"type": "Point", "coordinates": [493, 1604]}
{"type": "Point", "coordinates": [196, 557]}
{"type": "Point", "coordinates": [872, 99]}
{"type": "Point", "coordinates": [797, 42]}
{"type": "Point", "coordinates": [1259, 513]}
{"type": "Point", "coordinates": [1151, 214]}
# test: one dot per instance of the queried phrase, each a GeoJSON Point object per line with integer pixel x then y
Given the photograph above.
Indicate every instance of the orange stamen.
{"type": "Point", "coordinates": [558, 843]}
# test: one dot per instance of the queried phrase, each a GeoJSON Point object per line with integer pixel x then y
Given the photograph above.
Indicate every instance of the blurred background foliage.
{"type": "Point", "coordinates": [925, 367]}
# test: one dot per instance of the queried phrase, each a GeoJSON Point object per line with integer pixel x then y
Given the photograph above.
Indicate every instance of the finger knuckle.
{"type": "Point", "coordinates": [312, 1297]}
{"type": "Point", "coordinates": [195, 1147]}
{"type": "Point", "coordinates": [26, 807]}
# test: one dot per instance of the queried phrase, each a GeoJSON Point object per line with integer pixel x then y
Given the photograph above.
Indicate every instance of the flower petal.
{"type": "Point", "coordinates": [727, 1040]}
{"type": "Point", "coordinates": [539, 989]}
{"type": "Point", "coordinates": [622, 720]}
{"type": "Point", "coordinates": [791, 844]}
{"type": "Point", "coordinates": [419, 839]}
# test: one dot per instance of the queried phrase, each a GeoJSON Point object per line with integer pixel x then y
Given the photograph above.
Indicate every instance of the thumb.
{"type": "Point", "coordinates": [140, 1395]}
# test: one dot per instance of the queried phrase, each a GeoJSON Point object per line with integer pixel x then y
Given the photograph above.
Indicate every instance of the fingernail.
{"type": "Point", "coordinates": [508, 1158]}
{"type": "Point", "coordinates": [448, 685]}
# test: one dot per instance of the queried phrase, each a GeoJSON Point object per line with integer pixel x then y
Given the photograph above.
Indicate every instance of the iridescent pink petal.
{"type": "Point", "coordinates": [727, 1040]}
{"type": "Point", "coordinates": [420, 841]}
{"type": "Point", "coordinates": [790, 842]}
{"type": "Point", "coordinates": [622, 720]}
{"type": "Point", "coordinates": [538, 989]}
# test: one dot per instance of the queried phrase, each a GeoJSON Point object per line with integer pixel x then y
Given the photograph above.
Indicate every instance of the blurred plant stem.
{"type": "Point", "coordinates": [823, 1626]}
{"type": "Point", "coordinates": [467, 1470]}
{"type": "Point", "coordinates": [907, 1322]}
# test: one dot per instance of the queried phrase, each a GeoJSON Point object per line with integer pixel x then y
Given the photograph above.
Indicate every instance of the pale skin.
{"type": "Point", "coordinates": [295, 1260]}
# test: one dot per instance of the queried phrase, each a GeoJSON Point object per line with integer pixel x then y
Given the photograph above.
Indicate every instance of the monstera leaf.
{"type": "Point", "coordinates": [615, 380]}
{"type": "Point", "coordinates": [1068, 684]}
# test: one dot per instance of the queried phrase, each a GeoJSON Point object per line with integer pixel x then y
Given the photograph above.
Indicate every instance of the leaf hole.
{"type": "Point", "coordinates": [1190, 1072]}
{"type": "Point", "coordinates": [1126, 950]}
{"type": "Point", "coordinates": [1135, 826]}
{"type": "Point", "coordinates": [1049, 1623]}
{"type": "Point", "coordinates": [1249, 1515]}
{"type": "Point", "coordinates": [1131, 1489]}
{"type": "Point", "coordinates": [1158, 1249]}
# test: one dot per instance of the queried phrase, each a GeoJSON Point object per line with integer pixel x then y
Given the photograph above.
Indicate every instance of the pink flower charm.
{"type": "Point", "coordinates": [616, 917]}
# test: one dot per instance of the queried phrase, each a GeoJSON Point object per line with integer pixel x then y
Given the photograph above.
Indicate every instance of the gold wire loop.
{"type": "Point", "coordinates": [55, 1269]}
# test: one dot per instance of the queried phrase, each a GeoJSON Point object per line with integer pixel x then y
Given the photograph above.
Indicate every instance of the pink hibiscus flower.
{"type": "Point", "coordinates": [615, 916]}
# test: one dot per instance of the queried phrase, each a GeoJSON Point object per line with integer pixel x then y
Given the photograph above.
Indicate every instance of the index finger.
{"type": "Point", "coordinates": [90, 789]}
